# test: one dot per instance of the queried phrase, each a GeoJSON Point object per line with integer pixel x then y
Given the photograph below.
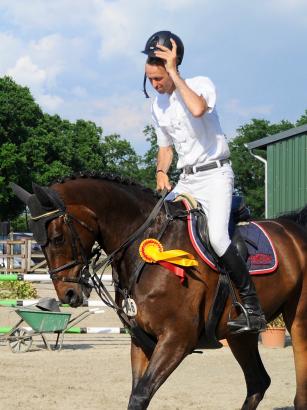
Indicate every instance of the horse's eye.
{"type": "Point", "coordinates": [58, 240]}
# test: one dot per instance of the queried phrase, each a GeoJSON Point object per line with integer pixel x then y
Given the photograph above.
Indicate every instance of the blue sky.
{"type": "Point", "coordinates": [81, 58]}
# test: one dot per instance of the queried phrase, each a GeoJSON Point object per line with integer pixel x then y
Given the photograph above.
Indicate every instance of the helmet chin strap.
{"type": "Point", "coordinates": [144, 86]}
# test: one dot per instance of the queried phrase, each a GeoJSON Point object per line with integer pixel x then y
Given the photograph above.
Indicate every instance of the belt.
{"type": "Point", "coordinates": [216, 164]}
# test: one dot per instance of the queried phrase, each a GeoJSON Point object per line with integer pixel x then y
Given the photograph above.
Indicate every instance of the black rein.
{"type": "Point", "coordinates": [84, 276]}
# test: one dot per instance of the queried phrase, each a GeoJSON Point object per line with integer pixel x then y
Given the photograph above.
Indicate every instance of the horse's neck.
{"type": "Point", "coordinates": [119, 209]}
{"type": "Point", "coordinates": [118, 221]}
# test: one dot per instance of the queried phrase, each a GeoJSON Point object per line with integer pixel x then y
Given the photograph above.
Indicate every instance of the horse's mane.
{"type": "Point", "coordinates": [300, 216]}
{"type": "Point", "coordinates": [104, 176]}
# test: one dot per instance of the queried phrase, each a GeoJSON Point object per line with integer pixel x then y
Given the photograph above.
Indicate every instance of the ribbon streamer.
{"type": "Point", "coordinates": [151, 251]}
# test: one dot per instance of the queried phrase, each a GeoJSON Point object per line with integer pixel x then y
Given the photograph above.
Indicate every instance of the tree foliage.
{"type": "Point", "coordinates": [19, 115]}
{"type": "Point", "coordinates": [58, 148]}
{"type": "Point", "coordinates": [302, 120]}
{"type": "Point", "coordinates": [249, 172]}
{"type": "Point", "coordinates": [148, 174]}
{"type": "Point", "coordinates": [38, 147]}
{"type": "Point", "coordinates": [119, 157]}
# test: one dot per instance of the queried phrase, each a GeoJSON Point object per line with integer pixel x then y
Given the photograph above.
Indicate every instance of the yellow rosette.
{"type": "Point", "coordinates": [151, 251]}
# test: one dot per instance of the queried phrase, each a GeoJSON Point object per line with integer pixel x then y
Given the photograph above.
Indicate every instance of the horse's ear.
{"type": "Point", "coordinates": [43, 196]}
{"type": "Point", "coordinates": [48, 198]}
{"type": "Point", "coordinates": [21, 193]}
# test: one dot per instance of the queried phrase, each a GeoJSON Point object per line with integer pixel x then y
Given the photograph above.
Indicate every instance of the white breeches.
{"type": "Point", "coordinates": [213, 189]}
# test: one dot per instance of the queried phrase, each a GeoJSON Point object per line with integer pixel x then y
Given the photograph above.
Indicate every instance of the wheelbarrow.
{"type": "Point", "coordinates": [41, 322]}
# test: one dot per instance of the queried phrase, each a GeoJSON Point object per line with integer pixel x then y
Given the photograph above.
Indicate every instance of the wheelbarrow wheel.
{"type": "Point", "coordinates": [20, 341]}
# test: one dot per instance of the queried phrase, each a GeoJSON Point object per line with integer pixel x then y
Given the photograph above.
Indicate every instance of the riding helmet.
{"type": "Point", "coordinates": [162, 38]}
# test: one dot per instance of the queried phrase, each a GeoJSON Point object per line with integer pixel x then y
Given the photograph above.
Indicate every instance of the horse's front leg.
{"type": "Point", "coordinates": [139, 362]}
{"type": "Point", "coordinates": [169, 352]}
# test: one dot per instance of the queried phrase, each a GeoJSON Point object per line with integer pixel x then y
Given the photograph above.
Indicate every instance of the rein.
{"type": "Point", "coordinates": [84, 276]}
{"type": "Point", "coordinates": [109, 259]}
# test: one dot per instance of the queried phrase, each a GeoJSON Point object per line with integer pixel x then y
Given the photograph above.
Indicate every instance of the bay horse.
{"type": "Point", "coordinates": [108, 210]}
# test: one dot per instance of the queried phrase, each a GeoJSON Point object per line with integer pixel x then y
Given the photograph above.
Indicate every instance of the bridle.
{"type": "Point", "coordinates": [83, 277]}
{"type": "Point", "coordinates": [84, 274]}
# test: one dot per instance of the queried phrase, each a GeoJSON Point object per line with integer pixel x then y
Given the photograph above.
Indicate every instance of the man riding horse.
{"type": "Point", "coordinates": [185, 116]}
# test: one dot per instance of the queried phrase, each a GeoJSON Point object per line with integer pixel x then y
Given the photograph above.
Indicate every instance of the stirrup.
{"type": "Point", "coordinates": [237, 328]}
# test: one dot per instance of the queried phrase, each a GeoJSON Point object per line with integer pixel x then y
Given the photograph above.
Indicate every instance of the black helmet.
{"type": "Point", "coordinates": [163, 38]}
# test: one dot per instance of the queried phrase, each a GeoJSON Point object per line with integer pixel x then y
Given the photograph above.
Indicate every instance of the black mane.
{"type": "Point", "coordinates": [300, 216]}
{"type": "Point", "coordinates": [104, 176]}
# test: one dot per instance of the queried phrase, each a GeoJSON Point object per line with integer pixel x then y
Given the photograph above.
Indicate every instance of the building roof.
{"type": "Point", "coordinates": [263, 142]}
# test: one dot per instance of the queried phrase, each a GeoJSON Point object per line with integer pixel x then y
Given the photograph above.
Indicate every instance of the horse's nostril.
{"type": "Point", "coordinates": [71, 296]}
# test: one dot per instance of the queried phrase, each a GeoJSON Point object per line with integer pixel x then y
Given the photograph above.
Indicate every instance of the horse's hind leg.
{"type": "Point", "coordinates": [245, 350]}
{"type": "Point", "coordinates": [298, 331]}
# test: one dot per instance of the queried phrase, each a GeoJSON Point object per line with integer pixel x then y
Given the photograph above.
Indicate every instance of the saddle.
{"type": "Point", "coordinates": [250, 238]}
{"type": "Point", "coordinates": [252, 242]}
{"type": "Point", "coordinates": [239, 213]}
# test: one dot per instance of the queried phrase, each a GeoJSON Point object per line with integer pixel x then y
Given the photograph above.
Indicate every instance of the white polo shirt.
{"type": "Point", "coordinates": [197, 141]}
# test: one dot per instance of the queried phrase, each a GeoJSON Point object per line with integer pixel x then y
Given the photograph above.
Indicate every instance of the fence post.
{"type": "Point", "coordinates": [9, 260]}
{"type": "Point", "coordinates": [28, 254]}
{"type": "Point", "coordinates": [23, 251]}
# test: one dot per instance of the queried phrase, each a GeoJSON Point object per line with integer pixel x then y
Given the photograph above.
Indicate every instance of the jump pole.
{"type": "Point", "coordinates": [78, 330]}
{"type": "Point", "coordinates": [34, 277]}
{"type": "Point", "coordinates": [31, 302]}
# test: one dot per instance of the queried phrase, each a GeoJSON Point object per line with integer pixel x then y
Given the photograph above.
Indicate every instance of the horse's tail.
{"type": "Point", "coordinates": [300, 216]}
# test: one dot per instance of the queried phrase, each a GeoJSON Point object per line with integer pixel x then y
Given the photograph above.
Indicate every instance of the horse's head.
{"type": "Point", "coordinates": [66, 234]}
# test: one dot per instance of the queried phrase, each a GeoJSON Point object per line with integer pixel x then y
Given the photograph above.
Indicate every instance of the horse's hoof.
{"type": "Point", "coordinates": [251, 403]}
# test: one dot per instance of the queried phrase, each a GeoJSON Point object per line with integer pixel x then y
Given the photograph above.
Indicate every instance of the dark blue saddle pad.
{"type": "Point", "coordinates": [262, 258]}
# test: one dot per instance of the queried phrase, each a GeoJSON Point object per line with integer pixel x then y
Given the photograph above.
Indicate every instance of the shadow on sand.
{"type": "Point", "coordinates": [283, 408]}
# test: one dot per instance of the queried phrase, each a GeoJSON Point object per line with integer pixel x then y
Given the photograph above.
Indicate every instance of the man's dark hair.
{"type": "Point", "coordinates": [155, 61]}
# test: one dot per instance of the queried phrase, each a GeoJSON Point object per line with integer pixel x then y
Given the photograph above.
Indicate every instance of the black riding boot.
{"type": "Point", "coordinates": [238, 272]}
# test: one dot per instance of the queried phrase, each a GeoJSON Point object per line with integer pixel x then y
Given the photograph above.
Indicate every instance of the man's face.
{"type": "Point", "coordinates": [159, 79]}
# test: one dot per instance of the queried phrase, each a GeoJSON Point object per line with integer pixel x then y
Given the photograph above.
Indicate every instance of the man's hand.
{"type": "Point", "coordinates": [196, 104]}
{"type": "Point", "coordinates": [169, 56]}
{"type": "Point", "coordinates": [164, 160]}
{"type": "Point", "coordinates": [163, 182]}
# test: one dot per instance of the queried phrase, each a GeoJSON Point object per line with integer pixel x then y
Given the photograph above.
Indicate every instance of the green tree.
{"type": "Point", "coordinates": [302, 120]}
{"type": "Point", "coordinates": [148, 172]}
{"type": "Point", "coordinates": [119, 157]}
{"type": "Point", "coordinates": [19, 114]}
{"type": "Point", "coordinates": [249, 172]}
{"type": "Point", "coordinates": [87, 149]}
{"type": "Point", "coordinates": [12, 168]}
{"type": "Point", "coordinates": [20, 223]}
{"type": "Point", "coordinates": [38, 147]}
{"type": "Point", "coordinates": [58, 148]}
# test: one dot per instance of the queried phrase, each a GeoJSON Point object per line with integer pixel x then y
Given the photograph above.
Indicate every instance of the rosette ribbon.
{"type": "Point", "coordinates": [151, 251]}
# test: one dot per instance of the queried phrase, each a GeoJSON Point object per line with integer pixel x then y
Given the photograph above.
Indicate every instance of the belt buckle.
{"type": "Point", "coordinates": [188, 169]}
